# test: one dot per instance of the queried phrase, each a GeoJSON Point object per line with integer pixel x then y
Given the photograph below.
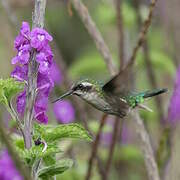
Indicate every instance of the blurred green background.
{"type": "Point", "coordinates": [74, 47]}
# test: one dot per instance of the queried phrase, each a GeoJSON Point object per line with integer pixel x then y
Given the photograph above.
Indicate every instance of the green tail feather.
{"type": "Point", "coordinates": [135, 99]}
{"type": "Point", "coordinates": [155, 92]}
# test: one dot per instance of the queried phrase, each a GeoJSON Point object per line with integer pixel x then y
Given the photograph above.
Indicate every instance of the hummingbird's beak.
{"type": "Point", "coordinates": [70, 92]}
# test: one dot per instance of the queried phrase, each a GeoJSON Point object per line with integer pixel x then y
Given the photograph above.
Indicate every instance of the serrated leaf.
{"type": "Point", "coordinates": [8, 88]}
{"type": "Point", "coordinates": [55, 169]}
{"type": "Point", "coordinates": [65, 131]}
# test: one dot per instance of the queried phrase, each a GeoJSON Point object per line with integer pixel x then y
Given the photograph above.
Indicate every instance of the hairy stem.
{"type": "Point", "coordinates": [38, 21]}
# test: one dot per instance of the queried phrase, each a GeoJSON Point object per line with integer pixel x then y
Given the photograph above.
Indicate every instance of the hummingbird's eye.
{"type": "Point", "coordinates": [80, 86]}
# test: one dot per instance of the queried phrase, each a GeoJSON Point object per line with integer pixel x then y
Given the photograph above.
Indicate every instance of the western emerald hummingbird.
{"type": "Point", "coordinates": [114, 97]}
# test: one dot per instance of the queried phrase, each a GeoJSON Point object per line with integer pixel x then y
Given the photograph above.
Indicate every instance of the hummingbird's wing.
{"type": "Point", "coordinates": [121, 84]}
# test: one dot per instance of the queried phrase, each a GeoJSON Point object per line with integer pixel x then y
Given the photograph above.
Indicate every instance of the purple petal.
{"type": "Point", "coordinates": [7, 168]}
{"type": "Point", "coordinates": [42, 117]}
{"type": "Point", "coordinates": [21, 103]}
{"type": "Point", "coordinates": [15, 60]}
{"type": "Point", "coordinates": [44, 67]}
{"type": "Point", "coordinates": [23, 37]}
{"type": "Point", "coordinates": [44, 83]}
{"type": "Point", "coordinates": [39, 38]}
{"type": "Point", "coordinates": [64, 111]}
{"type": "Point", "coordinates": [20, 72]}
{"type": "Point", "coordinates": [173, 112]}
{"type": "Point", "coordinates": [25, 29]}
{"type": "Point", "coordinates": [41, 104]}
{"type": "Point", "coordinates": [55, 74]}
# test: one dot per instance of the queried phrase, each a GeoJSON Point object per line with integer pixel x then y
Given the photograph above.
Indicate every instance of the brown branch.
{"type": "Point", "coordinates": [146, 147]}
{"type": "Point", "coordinates": [100, 167]}
{"type": "Point", "coordinates": [95, 34]}
{"type": "Point", "coordinates": [148, 63]}
{"type": "Point", "coordinates": [38, 21]}
{"type": "Point", "coordinates": [118, 124]}
{"type": "Point", "coordinates": [24, 171]}
{"type": "Point", "coordinates": [143, 33]}
{"type": "Point", "coordinates": [95, 147]}
{"type": "Point", "coordinates": [12, 18]}
{"type": "Point", "coordinates": [120, 32]}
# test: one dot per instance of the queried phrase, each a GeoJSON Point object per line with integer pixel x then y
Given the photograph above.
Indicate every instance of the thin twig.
{"type": "Point", "coordinates": [38, 21]}
{"type": "Point", "coordinates": [120, 32]}
{"type": "Point", "coordinates": [24, 171]}
{"type": "Point", "coordinates": [146, 147]}
{"type": "Point", "coordinates": [100, 166]}
{"type": "Point", "coordinates": [143, 33]}
{"type": "Point", "coordinates": [116, 131]}
{"type": "Point", "coordinates": [118, 122]}
{"type": "Point", "coordinates": [148, 63]}
{"type": "Point", "coordinates": [15, 116]}
{"type": "Point", "coordinates": [95, 34]}
{"type": "Point", "coordinates": [13, 19]}
{"type": "Point", "coordinates": [95, 147]}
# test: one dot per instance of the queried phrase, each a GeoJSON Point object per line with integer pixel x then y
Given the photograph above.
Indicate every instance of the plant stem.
{"type": "Point", "coordinates": [148, 62]}
{"type": "Point", "coordinates": [143, 33]}
{"type": "Point", "coordinates": [146, 147]}
{"type": "Point", "coordinates": [38, 21]}
{"type": "Point", "coordinates": [95, 147]}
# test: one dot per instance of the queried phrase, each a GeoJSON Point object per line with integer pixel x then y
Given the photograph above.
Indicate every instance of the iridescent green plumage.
{"type": "Point", "coordinates": [137, 98]}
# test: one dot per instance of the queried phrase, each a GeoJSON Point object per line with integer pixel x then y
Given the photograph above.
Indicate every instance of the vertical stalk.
{"type": "Point", "coordinates": [38, 21]}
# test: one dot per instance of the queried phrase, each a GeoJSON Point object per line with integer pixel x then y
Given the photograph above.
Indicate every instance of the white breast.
{"type": "Point", "coordinates": [95, 100]}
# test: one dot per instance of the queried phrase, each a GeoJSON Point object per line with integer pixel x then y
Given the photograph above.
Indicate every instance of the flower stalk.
{"type": "Point", "coordinates": [38, 21]}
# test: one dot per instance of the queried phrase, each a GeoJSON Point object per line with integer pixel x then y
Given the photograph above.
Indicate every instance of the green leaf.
{"type": "Point", "coordinates": [58, 168]}
{"type": "Point", "coordinates": [49, 160]}
{"type": "Point", "coordinates": [8, 88]}
{"type": "Point", "coordinates": [65, 131]}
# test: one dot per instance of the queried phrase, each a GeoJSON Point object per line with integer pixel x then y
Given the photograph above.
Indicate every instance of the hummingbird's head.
{"type": "Point", "coordinates": [83, 89]}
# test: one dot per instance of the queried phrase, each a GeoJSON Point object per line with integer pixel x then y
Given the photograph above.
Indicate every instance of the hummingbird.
{"type": "Point", "coordinates": [114, 97]}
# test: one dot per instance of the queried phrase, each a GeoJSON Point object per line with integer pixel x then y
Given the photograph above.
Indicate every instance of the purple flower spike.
{"type": "Point", "coordinates": [39, 38]}
{"type": "Point", "coordinates": [21, 103]}
{"type": "Point", "coordinates": [55, 74]}
{"type": "Point", "coordinates": [64, 111]}
{"type": "Point", "coordinates": [7, 168]}
{"type": "Point", "coordinates": [20, 72]}
{"type": "Point", "coordinates": [174, 113]}
{"type": "Point", "coordinates": [23, 55]}
{"type": "Point", "coordinates": [28, 42]}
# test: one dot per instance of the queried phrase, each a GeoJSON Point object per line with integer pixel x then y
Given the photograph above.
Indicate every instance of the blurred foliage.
{"type": "Point", "coordinates": [83, 60]}
{"type": "Point", "coordinates": [9, 88]}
